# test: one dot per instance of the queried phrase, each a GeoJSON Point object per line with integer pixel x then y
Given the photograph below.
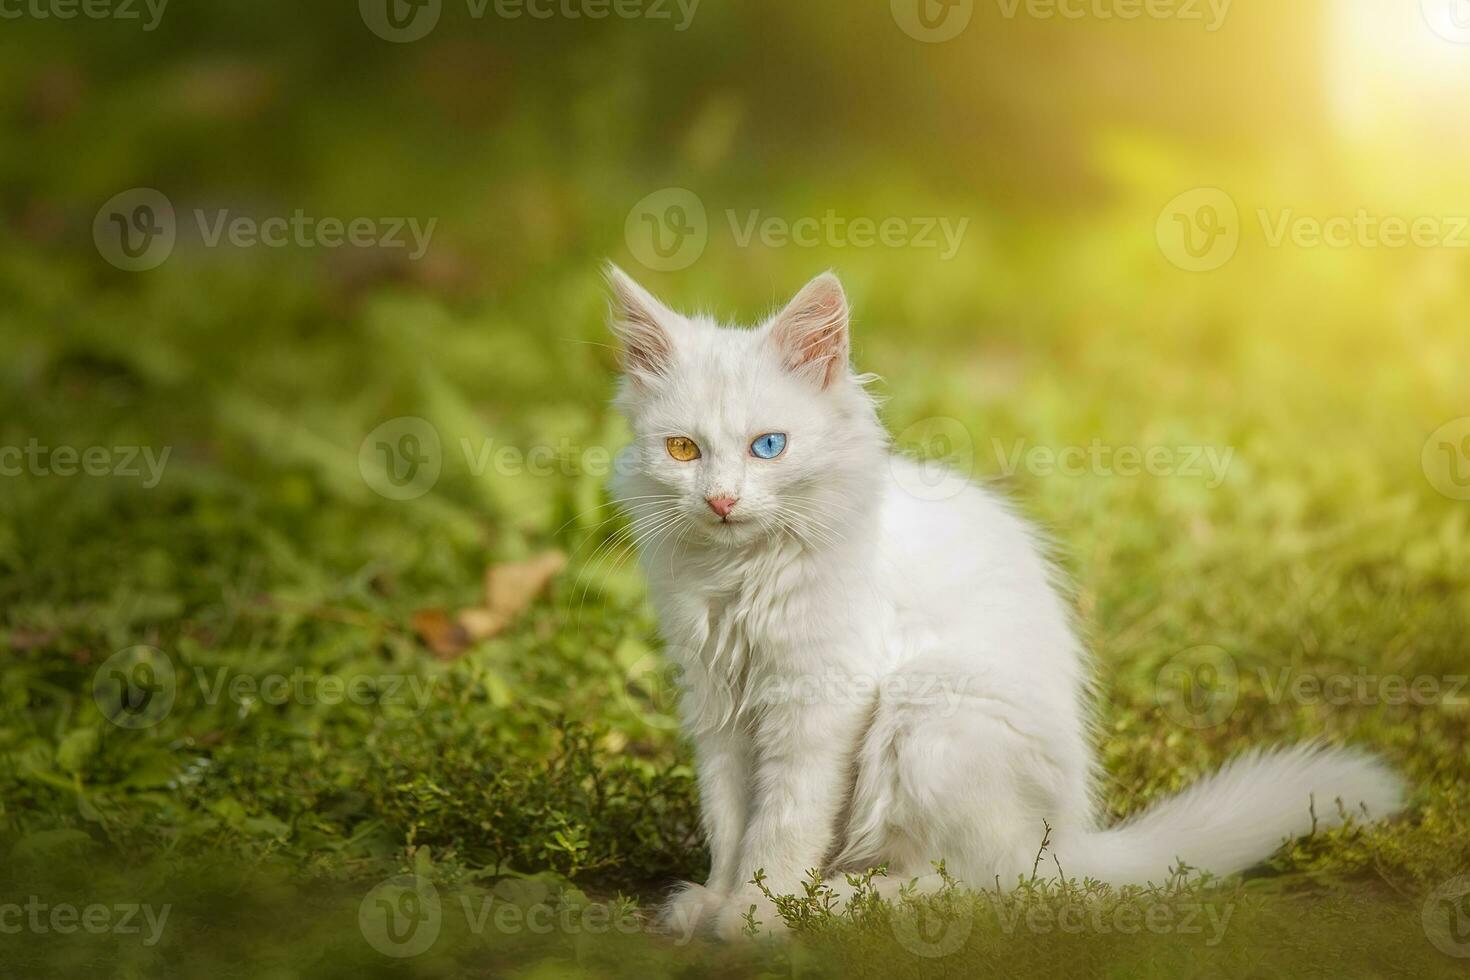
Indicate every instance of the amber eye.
{"type": "Point", "coordinates": [682, 448]}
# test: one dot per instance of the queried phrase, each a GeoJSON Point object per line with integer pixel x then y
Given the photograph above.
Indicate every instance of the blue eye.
{"type": "Point", "coordinates": [768, 446]}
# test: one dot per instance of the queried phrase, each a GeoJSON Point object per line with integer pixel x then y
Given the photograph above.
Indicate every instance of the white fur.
{"type": "Point", "coordinates": [871, 677]}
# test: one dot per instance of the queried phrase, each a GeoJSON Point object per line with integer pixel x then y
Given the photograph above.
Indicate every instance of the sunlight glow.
{"type": "Point", "coordinates": [1399, 69]}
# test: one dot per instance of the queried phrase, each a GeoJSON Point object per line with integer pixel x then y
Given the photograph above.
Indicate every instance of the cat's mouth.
{"type": "Point", "coordinates": [730, 527]}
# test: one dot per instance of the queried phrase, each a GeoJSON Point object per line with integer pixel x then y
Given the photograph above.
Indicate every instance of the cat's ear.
{"type": "Point", "coordinates": [642, 325]}
{"type": "Point", "coordinates": [811, 333]}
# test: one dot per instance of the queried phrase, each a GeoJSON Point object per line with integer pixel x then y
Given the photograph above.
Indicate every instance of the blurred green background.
{"type": "Point", "coordinates": [1133, 264]}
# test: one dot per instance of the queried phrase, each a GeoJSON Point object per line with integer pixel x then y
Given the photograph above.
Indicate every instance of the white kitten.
{"type": "Point", "coordinates": [869, 676]}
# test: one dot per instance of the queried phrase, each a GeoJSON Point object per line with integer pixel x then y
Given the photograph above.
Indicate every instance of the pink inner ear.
{"type": "Point", "coordinates": [645, 345]}
{"type": "Point", "coordinates": [812, 331]}
{"type": "Point", "coordinates": [639, 323]}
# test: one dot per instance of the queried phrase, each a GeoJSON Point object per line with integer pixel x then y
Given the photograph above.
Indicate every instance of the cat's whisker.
{"type": "Point", "coordinates": [799, 533]}
{"type": "Point", "coordinates": [817, 523]}
{"type": "Point", "coordinates": [604, 523]}
{"type": "Point", "coordinates": [585, 575]}
{"type": "Point", "coordinates": [628, 535]}
{"type": "Point", "coordinates": [811, 539]}
{"type": "Point", "coordinates": [648, 539]}
{"type": "Point", "coordinates": [630, 505]}
{"type": "Point", "coordinates": [843, 508]}
{"type": "Point", "coordinates": [648, 534]}
{"type": "Point", "coordinates": [678, 550]}
{"type": "Point", "coordinates": [612, 542]}
{"type": "Point", "coordinates": [620, 502]}
{"type": "Point", "coordinates": [813, 528]}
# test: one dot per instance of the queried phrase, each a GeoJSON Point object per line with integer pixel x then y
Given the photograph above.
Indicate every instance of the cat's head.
{"type": "Point", "coordinates": [744, 434]}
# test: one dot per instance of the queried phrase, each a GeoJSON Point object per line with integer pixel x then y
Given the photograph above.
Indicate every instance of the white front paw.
{"type": "Point", "coordinates": [691, 907]}
{"type": "Point", "coordinates": [733, 921]}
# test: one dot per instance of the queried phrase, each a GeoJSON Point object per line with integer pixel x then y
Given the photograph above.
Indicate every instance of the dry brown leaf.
{"type": "Point", "coordinates": [440, 634]}
{"type": "Point", "coordinates": [511, 586]}
{"type": "Point", "coordinates": [480, 624]}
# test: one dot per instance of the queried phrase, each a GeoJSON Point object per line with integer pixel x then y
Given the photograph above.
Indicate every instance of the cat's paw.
{"type": "Point", "coordinates": [732, 923]}
{"type": "Point", "coordinates": [691, 908]}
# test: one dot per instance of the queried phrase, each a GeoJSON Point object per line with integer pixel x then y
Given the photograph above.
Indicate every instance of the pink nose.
{"type": "Point", "coordinates": [721, 505]}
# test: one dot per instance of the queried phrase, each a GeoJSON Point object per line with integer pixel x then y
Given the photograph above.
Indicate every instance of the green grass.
{"type": "Point", "coordinates": [263, 552]}
{"type": "Point", "coordinates": [539, 770]}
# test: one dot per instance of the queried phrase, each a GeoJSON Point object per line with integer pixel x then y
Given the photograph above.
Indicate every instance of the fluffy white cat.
{"type": "Point", "coordinates": [869, 676]}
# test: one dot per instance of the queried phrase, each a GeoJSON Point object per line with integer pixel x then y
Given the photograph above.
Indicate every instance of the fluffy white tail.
{"type": "Point", "coordinates": [1237, 817]}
